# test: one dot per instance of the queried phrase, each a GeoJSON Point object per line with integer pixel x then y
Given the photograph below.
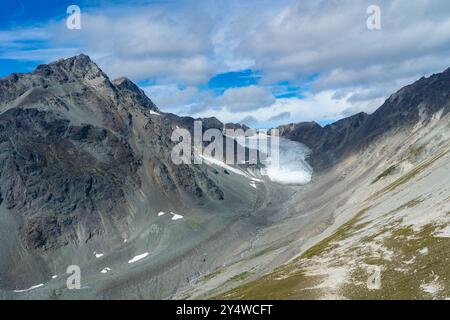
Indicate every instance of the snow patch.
{"type": "Point", "coordinates": [223, 165]}
{"type": "Point", "coordinates": [31, 288]}
{"type": "Point", "coordinates": [335, 277]}
{"type": "Point", "coordinates": [138, 257]}
{"type": "Point", "coordinates": [433, 287]}
{"type": "Point", "coordinates": [411, 261]}
{"type": "Point", "coordinates": [106, 270]}
{"type": "Point", "coordinates": [161, 213]}
{"type": "Point", "coordinates": [176, 216]}
{"type": "Point", "coordinates": [444, 233]}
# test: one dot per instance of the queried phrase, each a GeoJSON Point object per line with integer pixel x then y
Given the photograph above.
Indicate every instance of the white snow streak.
{"type": "Point", "coordinates": [138, 257]}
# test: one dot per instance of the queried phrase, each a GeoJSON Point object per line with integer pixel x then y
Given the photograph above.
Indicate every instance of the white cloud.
{"type": "Point", "coordinates": [172, 98]}
{"type": "Point", "coordinates": [313, 107]}
{"type": "Point", "coordinates": [331, 38]}
{"type": "Point", "coordinates": [179, 46]}
{"type": "Point", "coordinates": [147, 43]}
{"type": "Point", "coordinates": [22, 44]}
{"type": "Point", "coordinates": [322, 105]}
{"type": "Point", "coordinates": [190, 100]}
{"type": "Point", "coordinates": [246, 98]}
{"type": "Point", "coordinates": [13, 37]}
{"type": "Point", "coordinates": [51, 54]}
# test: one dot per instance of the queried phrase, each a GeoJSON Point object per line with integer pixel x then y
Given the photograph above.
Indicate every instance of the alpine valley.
{"type": "Point", "coordinates": [86, 179]}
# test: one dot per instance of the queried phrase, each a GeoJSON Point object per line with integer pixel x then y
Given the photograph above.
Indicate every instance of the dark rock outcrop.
{"type": "Point", "coordinates": [74, 144]}
{"type": "Point", "coordinates": [133, 93]}
{"type": "Point", "coordinates": [57, 177]}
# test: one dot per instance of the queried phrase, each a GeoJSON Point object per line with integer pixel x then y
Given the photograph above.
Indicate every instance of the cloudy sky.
{"type": "Point", "coordinates": [258, 61]}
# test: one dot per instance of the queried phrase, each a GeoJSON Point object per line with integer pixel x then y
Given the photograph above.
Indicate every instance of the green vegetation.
{"type": "Point", "coordinates": [340, 234]}
{"type": "Point", "coordinates": [386, 173]}
{"type": "Point", "coordinates": [212, 275]}
{"type": "Point", "coordinates": [271, 249]}
{"type": "Point", "coordinates": [420, 258]}
{"type": "Point", "coordinates": [416, 259]}
{"type": "Point", "coordinates": [241, 276]}
{"type": "Point", "coordinates": [289, 281]}
{"type": "Point", "coordinates": [55, 294]}
{"type": "Point", "coordinates": [410, 204]}
{"type": "Point", "coordinates": [277, 286]}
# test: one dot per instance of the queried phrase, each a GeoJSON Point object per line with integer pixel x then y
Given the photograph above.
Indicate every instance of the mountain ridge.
{"type": "Point", "coordinates": [403, 109]}
{"type": "Point", "coordinates": [76, 148]}
{"type": "Point", "coordinates": [86, 178]}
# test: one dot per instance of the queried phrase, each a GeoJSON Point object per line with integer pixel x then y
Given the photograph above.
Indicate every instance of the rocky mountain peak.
{"type": "Point", "coordinates": [77, 144]}
{"type": "Point", "coordinates": [125, 82]}
{"type": "Point", "coordinates": [80, 66]}
{"type": "Point", "coordinates": [133, 93]}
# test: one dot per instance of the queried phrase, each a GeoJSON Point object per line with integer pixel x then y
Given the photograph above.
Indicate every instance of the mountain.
{"type": "Point", "coordinates": [86, 179]}
{"type": "Point", "coordinates": [415, 103]}
{"type": "Point", "coordinates": [82, 160]}
{"type": "Point", "coordinates": [383, 179]}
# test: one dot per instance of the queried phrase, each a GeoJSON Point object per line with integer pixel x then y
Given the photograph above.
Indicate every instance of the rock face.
{"type": "Point", "coordinates": [133, 94]}
{"type": "Point", "coordinates": [418, 101]}
{"type": "Point", "coordinates": [75, 147]}
{"type": "Point", "coordinates": [57, 176]}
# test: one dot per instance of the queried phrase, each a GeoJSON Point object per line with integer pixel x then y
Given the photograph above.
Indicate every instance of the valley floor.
{"type": "Point", "coordinates": [390, 240]}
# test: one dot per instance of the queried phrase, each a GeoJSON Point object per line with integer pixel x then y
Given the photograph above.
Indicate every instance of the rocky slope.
{"type": "Point", "coordinates": [83, 160]}
{"type": "Point", "coordinates": [86, 178]}
{"type": "Point", "coordinates": [388, 233]}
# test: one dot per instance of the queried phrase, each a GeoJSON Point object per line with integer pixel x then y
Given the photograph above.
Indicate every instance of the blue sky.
{"type": "Point", "coordinates": [270, 62]}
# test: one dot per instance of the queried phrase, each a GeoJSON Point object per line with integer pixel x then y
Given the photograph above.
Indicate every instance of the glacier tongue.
{"type": "Point", "coordinates": [290, 168]}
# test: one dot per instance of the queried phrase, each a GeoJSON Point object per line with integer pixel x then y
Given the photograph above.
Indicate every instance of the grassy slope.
{"type": "Point", "coordinates": [413, 260]}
